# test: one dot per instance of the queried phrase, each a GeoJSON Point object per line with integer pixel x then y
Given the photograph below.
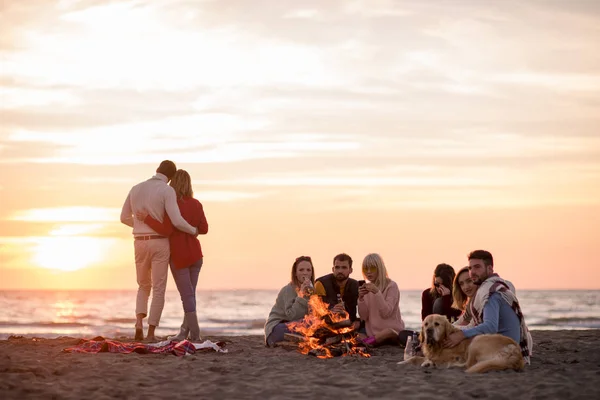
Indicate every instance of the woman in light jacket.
{"type": "Point", "coordinates": [292, 301]}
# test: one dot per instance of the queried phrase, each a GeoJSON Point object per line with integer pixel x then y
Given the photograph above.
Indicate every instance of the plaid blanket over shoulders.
{"type": "Point", "coordinates": [495, 284]}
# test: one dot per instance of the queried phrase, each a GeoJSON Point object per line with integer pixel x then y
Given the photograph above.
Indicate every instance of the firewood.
{"type": "Point", "coordinates": [323, 333]}
{"type": "Point", "coordinates": [333, 340]}
{"type": "Point", "coordinates": [288, 345]}
{"type": "Point", "coordinates": [294, 337]}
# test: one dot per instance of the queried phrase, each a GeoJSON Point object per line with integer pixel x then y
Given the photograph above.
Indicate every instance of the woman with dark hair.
{"type": "Point", "coordinates": [292, 301]}
{"type": "Point", "coordinates": [438, 298]}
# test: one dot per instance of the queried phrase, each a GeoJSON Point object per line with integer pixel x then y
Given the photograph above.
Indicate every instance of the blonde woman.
{"type": "Point", "coordinates": [186, 252]}
{"type": "Point", "coordinates": [378, 304]}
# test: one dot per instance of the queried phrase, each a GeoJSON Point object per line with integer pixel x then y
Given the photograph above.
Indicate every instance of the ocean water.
{"type": "Point", "coordinates": [238, 312]}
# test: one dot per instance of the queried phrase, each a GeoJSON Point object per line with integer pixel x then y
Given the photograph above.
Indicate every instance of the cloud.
{"type": "Point", "coordinates": [68, 214]}
{"type": "Point", "coordinates": [218, 142]}
{"type": "Point", "coordinates": [248, 88]}
{"type": "Point", "coordinates": [75, 229]}
{"type": "Point", "coordinates": [561, 82]}
{"type": "Point", "coordinates": [228, 195]}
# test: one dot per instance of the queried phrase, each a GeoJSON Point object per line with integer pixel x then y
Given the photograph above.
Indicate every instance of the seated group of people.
{"type": "Point", "coordinates": [476, 300]}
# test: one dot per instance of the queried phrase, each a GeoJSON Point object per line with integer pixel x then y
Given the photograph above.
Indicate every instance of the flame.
{"type": "Point", "coordinates": [320, 317]}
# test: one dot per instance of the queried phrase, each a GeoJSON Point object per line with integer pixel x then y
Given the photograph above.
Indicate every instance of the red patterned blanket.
{"type": "Point", "coordinates": [101, 345]}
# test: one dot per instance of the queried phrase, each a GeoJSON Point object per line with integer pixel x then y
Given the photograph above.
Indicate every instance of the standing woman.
{"type": "Point", "coordinates": [186, 252]}
{"type": "Point", "coordinates": [292, 301]}
{"type": "Point", "coordinates": [379, 304]}
{"type": "Point", "coordinates": [438, 298]}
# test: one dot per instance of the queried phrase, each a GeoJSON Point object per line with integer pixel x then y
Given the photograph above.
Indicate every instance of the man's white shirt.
{"type": "Point", "coordinates": [155, 196]}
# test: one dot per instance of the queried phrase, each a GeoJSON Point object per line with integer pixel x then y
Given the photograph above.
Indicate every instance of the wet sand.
{"type": "Point", "coordinates": [566, 365]}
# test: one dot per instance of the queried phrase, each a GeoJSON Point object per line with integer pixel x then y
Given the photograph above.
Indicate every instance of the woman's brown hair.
{"type": "Point", "coordinates": [459, 297]}
{"type": "Point", "coordinates": [182, 184]}
{"type": "Point", "coordinates": [446, 272]}
{"type": "Point", "coordinates": [298, 260]}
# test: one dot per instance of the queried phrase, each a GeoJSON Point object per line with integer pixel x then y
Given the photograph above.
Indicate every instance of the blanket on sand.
{"type": "Point", "coordinates": [101, 345]}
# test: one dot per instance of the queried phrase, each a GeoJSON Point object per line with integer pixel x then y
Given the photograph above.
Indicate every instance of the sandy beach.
{"type": "Point", "coordinates": [565, 366]}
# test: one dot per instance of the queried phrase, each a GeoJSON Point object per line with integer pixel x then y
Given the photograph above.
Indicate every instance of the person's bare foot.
{"type": "Point", "coordinates": [139, 332]}
{"type": "Point", "coordinates": [150, 336]}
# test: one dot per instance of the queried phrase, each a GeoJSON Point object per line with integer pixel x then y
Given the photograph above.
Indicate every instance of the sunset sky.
{"type": "Point", "coordinates": [418, 130]}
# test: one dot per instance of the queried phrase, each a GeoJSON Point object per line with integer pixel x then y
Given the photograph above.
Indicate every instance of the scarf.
{"type": "Point", "coordinates": [495, 284]}
{"type": "Point", "coordinates": [465, 321]}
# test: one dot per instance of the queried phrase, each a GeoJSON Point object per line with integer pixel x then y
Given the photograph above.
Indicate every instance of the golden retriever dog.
{"type": "Point", "coordinates": [481, 353]}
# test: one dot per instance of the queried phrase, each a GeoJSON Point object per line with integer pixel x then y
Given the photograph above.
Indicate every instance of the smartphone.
{"type": "Point", "coordinates": [360, 283]}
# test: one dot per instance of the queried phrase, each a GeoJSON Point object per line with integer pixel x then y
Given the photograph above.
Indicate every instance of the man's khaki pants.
{"type": "Point", "coordinates": [152, 266]}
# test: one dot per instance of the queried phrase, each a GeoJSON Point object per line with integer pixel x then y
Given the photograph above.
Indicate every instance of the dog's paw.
{"type": "Point", "coordinates": [427, 364]}
{"type": "Point", "coordinates": [415, 360]}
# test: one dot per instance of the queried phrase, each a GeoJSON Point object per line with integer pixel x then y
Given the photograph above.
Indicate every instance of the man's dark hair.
{"type": "Point", "coordinates": [484, 255]}
{"type": "Point", "coordinates": [343, 257]}
{"type": "Point", "coordinates": [167, 168]}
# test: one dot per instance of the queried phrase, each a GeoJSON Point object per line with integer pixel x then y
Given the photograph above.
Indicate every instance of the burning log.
{"type": "Point", "coordinates": [325, 334]}
{"type": "Point", "coordinates": [324, 352]}
{"type": "Point", "coordinates": [333, 340]}
{"type": "Point", "coordinates": [292, 337]}
{"type": "Point", "coordinates": [344, 323]}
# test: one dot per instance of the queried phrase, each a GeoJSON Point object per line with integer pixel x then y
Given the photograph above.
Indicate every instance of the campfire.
{"type": "Point", "coordinates": [325, 334]}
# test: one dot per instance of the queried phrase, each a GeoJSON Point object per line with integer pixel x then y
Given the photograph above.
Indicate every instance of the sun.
{"type": "Point", "coordinates": [67, 253]}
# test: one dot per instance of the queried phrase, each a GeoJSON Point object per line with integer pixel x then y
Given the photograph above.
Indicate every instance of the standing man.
{"type": "Point", "coordinates": [339, 282]}
{"type": "Point", "coordinates": [495, 307]}
{"type": "Point", "coordinates": [151, 249]}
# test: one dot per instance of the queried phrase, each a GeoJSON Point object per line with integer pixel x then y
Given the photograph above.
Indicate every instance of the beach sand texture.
{"type": "Point", "coordinates": [566, 365]}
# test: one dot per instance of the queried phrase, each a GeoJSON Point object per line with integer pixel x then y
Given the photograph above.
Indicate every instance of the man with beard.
{"type": "Point", "coordinates": [339, 285]}
{"type": "Point", "coordinates": [495, 307]}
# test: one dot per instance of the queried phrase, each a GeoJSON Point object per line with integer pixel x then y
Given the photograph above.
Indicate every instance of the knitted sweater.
{"type": "Point", "coordinates": [288, 307]}
{"type": "Point", "coordinates": [381, 310]}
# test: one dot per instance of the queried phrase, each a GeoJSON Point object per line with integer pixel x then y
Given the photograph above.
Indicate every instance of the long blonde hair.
{"type": "Point", "coordinates": [375, 260]}
{"type": "Point", "coordinates": [182, 183]}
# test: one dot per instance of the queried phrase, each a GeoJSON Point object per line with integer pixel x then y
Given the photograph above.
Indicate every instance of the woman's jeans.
{"type": "Point", "coordinates": [278, 334]}
{"type": "Point", "coordinates": [186, 280]}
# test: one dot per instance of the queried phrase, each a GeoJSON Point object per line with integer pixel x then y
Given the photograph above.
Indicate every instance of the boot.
{"type": "Point", "coordinates": [192, 323]}
{"type": "Point", "coordinates": [183, 331]}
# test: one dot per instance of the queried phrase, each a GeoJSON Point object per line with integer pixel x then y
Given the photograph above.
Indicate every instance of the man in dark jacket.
{"type": "Point", "coordinates": [338, 285]}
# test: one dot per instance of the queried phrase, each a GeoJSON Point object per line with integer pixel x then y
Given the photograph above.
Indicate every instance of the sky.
{"type": "Point", "coordinates": [417, 130]}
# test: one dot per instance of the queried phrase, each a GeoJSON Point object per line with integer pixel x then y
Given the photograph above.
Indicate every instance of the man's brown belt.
{"type": "Point", "coordinates": [149, 237]}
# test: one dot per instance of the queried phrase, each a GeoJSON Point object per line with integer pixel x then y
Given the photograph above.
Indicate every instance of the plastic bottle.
{"type": "Point", "coordinates": [415, 343]}
{"type": "Point", "coordinates": [409, 350]}
{"type": "Point", "coordinates": [310, 289]}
